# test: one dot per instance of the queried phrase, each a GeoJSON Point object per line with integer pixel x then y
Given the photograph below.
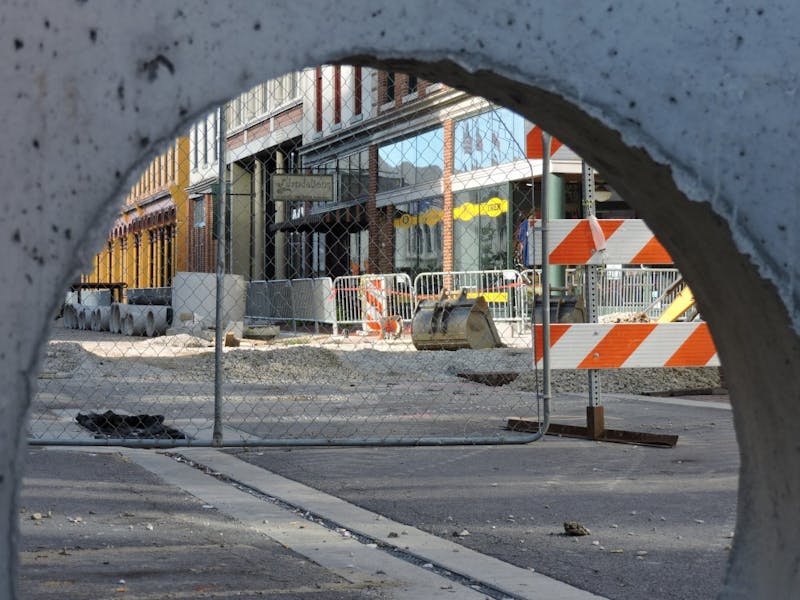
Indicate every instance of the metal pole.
{"type": "Point", "coordinates": [546, 394]}
{"type": "Point", "coordinates": [220, 234]}
{"type": "Point", "coordinates": [594, 411]}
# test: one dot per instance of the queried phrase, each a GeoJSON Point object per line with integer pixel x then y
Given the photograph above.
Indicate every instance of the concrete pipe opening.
{"type": "Point", "coordinates": [100, 318]}
{"type": "Point", "coordinates": [116, 316]}
{"type": "Point", "coordinates": [134, 321]}
{"type": "Point", "coordinates": [679, 131]}
{"type": "Point", "coordinates": [84, 317]}
{"type": "Point", "coordinates": [158, 319]}
{"type": "Point", "coordinates": [70, 316]}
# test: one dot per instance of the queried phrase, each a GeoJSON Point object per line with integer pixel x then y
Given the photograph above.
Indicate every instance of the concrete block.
{"type": "Point", "coordinates": [195, 293]}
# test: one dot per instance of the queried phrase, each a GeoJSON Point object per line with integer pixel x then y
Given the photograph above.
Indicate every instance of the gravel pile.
{"type": "Point", "coordinates": [62, 358]}
{"type": "Point", "coordinates": [277, 364]}
{"type": "Point", "coordinates": [628, 381]}
{"type": "Point", "coordinates": [268, 365]}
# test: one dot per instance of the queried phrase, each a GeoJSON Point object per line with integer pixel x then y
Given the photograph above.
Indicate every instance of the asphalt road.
{"type": "Point", "coordinates": [661, 520]}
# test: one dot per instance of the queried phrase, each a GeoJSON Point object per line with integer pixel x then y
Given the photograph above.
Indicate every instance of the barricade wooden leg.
{"type": "Point", "coordinates": [595, 422]}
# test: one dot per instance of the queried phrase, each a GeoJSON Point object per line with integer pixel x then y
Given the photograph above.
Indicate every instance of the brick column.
{"type": "Point", "coordinates": [447, 208]}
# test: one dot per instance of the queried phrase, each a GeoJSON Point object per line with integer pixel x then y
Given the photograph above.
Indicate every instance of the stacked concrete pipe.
{"type": "Point", "coordinates": [100, 318]}
{"type": "Point", "coordinates": [135, 320]}
{"type": "Point", "coordinates": [70, 316]}
{"type": "Point", "coordinates": [115, 317]}
{"type": "Point", "coordinates": [84, 317]}
{"type": "Point", "coordinates": [157, 320]}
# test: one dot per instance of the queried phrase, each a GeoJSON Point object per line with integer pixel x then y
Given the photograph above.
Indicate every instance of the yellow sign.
{"type": "Point", "coordinates": [493, 207]}
{"type": "Point", "coordinates": [496, 297]}
{"type": "Point", "coordinates": [430, 217]}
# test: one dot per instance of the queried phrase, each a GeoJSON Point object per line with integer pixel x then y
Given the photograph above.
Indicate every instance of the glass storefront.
{"type": "Point", "coordinates": [412, 161]}
{"type": "Point", "coordinates": [352, 176]}
{"type": "Point", "coordinates": [481, 228]}
{"type": "Point", "coordinates": [489, 139]}
{"type": "Point", "coordinates": [418, 236]}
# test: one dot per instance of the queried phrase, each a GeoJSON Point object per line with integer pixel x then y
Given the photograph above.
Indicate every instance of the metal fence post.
{"type": "Point", "coordinates": [219, 210]}
{"type": "Point", "coordinates": [594, 411]}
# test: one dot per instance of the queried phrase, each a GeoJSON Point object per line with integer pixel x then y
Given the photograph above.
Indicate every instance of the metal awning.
{"type": "Point", "coordinates": [354, 216]}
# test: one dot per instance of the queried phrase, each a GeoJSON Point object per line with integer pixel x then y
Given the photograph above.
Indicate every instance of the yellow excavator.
{"type": "Point", "coordinates": [682, 306]}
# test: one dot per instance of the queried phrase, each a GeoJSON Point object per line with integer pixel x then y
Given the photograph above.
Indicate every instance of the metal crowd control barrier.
{"type": "Point", "coordinates": [634, 289]}
{"type": "Point", "coordinates": [291, 300]}
{"type": "Point", "coordinates": [269, 300]}
{"type": "Point", "coordinates": [503, 290]}
{"type": "Point", "coordinates": [372, 300]}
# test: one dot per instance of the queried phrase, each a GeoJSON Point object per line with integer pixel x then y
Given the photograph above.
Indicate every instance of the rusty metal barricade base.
{"type": "Point", "coordinates": [620, 436]}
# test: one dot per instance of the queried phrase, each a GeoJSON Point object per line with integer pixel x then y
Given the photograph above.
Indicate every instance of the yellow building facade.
{"type": "Point", "coordinates": [149, 241]}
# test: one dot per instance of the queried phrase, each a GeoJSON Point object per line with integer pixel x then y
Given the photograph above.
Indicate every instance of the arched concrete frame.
{"type": "Point", "coordinates": [690, 111]}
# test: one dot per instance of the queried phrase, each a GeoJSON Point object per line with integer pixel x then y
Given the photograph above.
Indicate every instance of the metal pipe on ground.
{"type": "Point", "coordinates": [100, 318]}
{"type": "Point", "coordinates": [157, 320]}
{"type": "Point", "coordinates": [135, 319]}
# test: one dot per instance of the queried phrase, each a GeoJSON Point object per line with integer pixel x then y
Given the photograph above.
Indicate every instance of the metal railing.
{"type": "Point", "coordinates": [634, 289]}
{"type": "Point", "coordinates": [363, 300]}
{"type": "Point", "coordinates": [503, 290]}
{"type": "Point", "coordinates": [368, 300]}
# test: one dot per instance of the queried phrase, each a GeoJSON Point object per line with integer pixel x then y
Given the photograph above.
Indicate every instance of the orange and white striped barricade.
{"type": "Point", "coordinates": [627, 241]}
{"type": "Point", "coordinates": [373, 302]}
{"type": "Point", "coordinates": [628, 345]}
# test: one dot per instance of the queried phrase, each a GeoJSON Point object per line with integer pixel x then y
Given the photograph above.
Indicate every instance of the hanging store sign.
{"type": "Point", "coordinates": [311, 188]}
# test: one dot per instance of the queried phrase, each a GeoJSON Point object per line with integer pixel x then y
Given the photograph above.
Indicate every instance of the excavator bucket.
{"type": "Point", "coordinates": [451, 324]}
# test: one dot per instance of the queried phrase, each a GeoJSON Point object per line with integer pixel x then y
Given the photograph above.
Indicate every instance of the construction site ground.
{"type": "Point", "coordinates": [391, 522]}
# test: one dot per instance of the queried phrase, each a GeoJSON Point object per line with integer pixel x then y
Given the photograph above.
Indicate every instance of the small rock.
{"type": "Point", "coordinates": [393, 534]}
{"type": "Point", "coordinates": [575, 528]}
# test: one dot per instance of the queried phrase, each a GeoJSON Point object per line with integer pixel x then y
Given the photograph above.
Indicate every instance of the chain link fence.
{"type": "Point", "coordinates": [261, 282]}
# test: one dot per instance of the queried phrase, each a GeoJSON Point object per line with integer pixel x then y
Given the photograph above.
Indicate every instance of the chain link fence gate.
{"type": "Point", "coordinates": [319, 201]}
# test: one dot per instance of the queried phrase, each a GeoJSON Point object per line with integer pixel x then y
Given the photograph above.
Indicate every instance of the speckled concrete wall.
{"type": "Point", "coordinates": [689, 109]}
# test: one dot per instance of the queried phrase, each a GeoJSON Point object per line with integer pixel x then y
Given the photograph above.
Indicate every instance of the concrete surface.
{"type": "Point", "coordinates": [688, 109]}
{"type": "Point", "coordinates": [195, 294]}
{"type": "Point", "coordinates": [661, 520]}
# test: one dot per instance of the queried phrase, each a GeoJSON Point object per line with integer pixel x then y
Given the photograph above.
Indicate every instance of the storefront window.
{"type": "Point", "coordinates": [352, 172]}
{"type": "Point", "coordinates": [418, 236]}
{"type": "Point", "coordinates": [480, 229]}
{"type": "Point", "coordinates": [489, 139]}
{"type": "Point", "coordinates": [412, 161]}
